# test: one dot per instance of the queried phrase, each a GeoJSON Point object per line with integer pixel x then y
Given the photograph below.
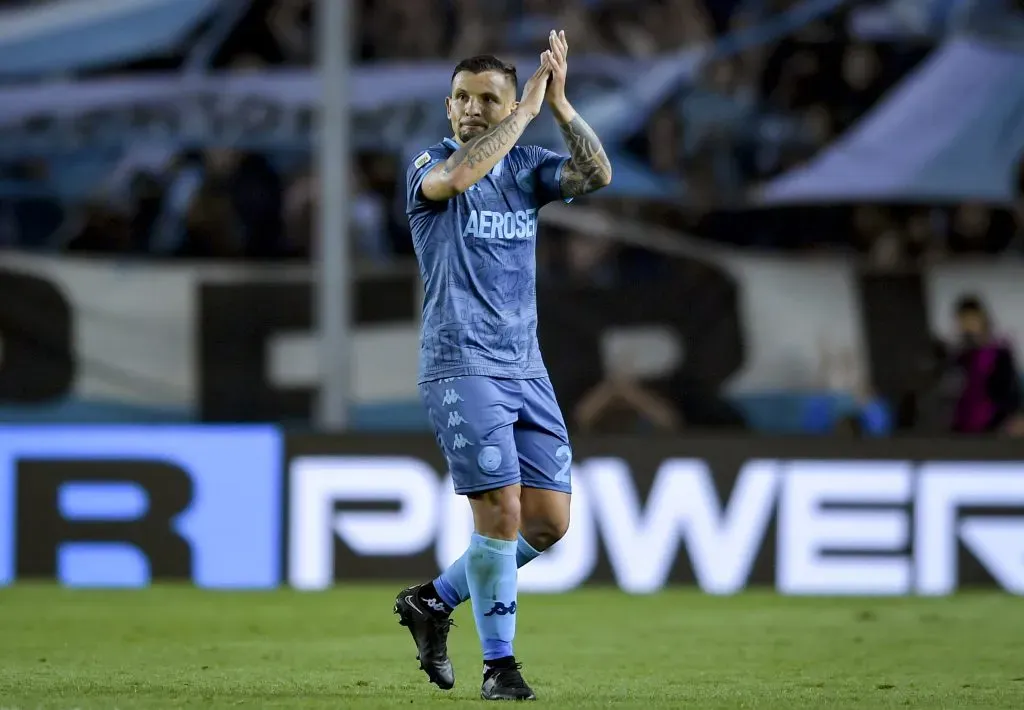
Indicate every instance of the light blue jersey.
{"type": "Point", "coordinates": [477, 257]}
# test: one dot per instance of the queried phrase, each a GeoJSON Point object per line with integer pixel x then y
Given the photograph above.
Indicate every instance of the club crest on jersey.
{"type": "Point", "coordinates": [422, 159]}
{"type": "Point", "coordinates": [525, 180]}
{"type": "Point", "coordinates": [486, 224]}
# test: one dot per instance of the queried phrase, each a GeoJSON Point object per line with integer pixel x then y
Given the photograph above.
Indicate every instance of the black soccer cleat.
{"type": "Point", "coordinates": [429, 630]}
{"type": "Point", "coordinates": [503, 681]}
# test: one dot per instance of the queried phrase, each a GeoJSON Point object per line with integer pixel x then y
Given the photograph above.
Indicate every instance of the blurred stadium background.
{"type": "Point", "coordinates": [784, 339]}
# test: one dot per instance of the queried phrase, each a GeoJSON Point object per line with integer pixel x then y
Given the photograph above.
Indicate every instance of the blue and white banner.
{"type": "Point", "coordinates": [73, 35]}
{"type": "Point", "coordinates": [950, 132]}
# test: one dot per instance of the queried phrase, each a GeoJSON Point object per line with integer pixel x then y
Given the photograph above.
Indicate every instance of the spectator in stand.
{"type": "Point", "coordinates": [301, 202]}
{"type": "Point", "coordinates": [850, 407]}
{"type": "Point", "coordinates": [990, 397]}
{"type": "Point", "coordinates": [926, 407]}
{"type": "Point", "coordinates": [211, 229]}
{"type": "Point", "coordinates": [1018, 210]}
{"type": "Point", "coordinates": [183, 179]}
{"type": "Point", "coordinates": [255, 193]}
{"type": "Point", "coordinates": [290, 22]}
{"type": "Point", "coordinates": [860, 88]}
{"type": "Point", "coordinates": [976, 229]}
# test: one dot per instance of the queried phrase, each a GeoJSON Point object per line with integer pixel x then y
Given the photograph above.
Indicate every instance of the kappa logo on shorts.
{"type": "Point", "coordinates": [455, 419]}
{"type": "Point", "coordinates": [450, 398]}
{"type": "Point", "coordinates": [460, 442]}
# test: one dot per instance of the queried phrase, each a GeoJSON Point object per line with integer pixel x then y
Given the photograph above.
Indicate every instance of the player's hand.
{"type": "Point", "coordinates": [559, 67]}
{"type": "Point", "coordinates": [536, 86]}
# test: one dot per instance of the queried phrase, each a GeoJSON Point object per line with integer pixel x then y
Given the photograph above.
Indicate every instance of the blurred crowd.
{"type": "Point", "coordinates": [741, 121]}
{"type": "Point", "coordinates": [745, 119]}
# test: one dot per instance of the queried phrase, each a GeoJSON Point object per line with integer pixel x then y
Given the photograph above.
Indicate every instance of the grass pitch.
{"type": "Point", "coordinates": [171, 647]}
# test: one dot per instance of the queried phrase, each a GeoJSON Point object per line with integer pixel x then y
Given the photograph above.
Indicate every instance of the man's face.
{"type": "Point", "coordinates": [971, 324]}
{"type": "Point", "coordinates": [478, 102]}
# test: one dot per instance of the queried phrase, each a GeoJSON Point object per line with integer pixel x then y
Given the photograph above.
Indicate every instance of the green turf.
{"type": "Point", "coordinates": [173, 647]}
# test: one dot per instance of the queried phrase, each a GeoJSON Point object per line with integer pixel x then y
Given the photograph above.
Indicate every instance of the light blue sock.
{"type": "Point", "coordinates": [525, 551]}
{"type": "Point", "coordinates": [491, 571]}
{"type": "Point", "coordinates": [453, 586]}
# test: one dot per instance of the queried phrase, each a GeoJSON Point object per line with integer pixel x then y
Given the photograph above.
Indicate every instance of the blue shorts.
{"type": "Point", "coordinates": [497, 432]}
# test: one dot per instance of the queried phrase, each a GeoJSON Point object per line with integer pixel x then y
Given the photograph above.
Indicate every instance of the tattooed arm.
{"type": "Point", "coordinates": [588, 168]}
{"type": "Point", "coordinates": [475, 159]}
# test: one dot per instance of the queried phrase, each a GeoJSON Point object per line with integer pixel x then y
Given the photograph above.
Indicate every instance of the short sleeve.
{"type": "Point", "coordinates": [422, 164]}
{"type": "Point", "coordinates": [549, 166]}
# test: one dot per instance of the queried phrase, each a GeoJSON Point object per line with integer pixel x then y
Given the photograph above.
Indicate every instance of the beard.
{"type": "Point", "coordinates": [468, 133]}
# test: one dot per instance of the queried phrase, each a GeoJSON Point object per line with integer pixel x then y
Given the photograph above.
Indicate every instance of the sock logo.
{"type": "Point", "coordinates": [501, 610]}
{"type": "Point", "coordinates": [436, 605]}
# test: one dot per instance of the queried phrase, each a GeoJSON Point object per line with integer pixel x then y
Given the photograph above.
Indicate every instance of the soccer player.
{"type": "Point", "coordinates": [472, 203]}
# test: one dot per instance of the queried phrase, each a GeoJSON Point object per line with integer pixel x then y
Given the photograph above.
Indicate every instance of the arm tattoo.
{"type": "Point", "coordinates": [588, 168]}
{"type": "Point", "coordinates": [483, 148]}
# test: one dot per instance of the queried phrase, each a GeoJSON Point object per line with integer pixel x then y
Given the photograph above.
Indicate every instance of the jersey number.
{"type": "Point", "coordinates": [564, 453]}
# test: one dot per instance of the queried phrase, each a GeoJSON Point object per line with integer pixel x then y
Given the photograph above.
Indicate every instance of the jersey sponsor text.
{"type": "Point", "coordinates": [486, 224]}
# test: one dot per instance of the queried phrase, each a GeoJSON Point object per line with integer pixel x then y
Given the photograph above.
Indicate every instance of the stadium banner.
{"type": "Point", "coordinates": [806, 517]}
{"type": "Point", "coordinates": [233, 342]}
{"type": "Point", "coordinates": [62, 36]}
{"type": "Point", "coordinates": [247, 507]}
{"type": "Point", "coordinates": [124, 506]}
{"type": "Point", "coordinates": [154, 342]}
